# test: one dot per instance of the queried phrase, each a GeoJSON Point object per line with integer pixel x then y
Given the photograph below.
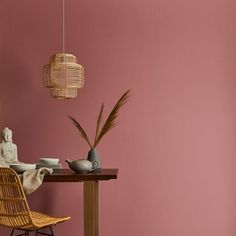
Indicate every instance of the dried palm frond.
{"type": "Point", "coordinates": [110, 122]}
{"type": "Point", "coordinates": [99, 121]}
{"type": "Point", "coordinates": [81, 131]}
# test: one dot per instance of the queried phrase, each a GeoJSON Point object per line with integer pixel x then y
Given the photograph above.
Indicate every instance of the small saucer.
{"type": "Point", "coordinates": [51, 166]}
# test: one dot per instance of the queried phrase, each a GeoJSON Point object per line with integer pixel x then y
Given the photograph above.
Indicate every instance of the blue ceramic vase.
{"type": "Point", "coordinates": [93, 157]}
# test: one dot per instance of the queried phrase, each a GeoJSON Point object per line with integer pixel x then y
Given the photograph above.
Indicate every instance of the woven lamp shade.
{"type": "Point", "coordinates": [63, 76]}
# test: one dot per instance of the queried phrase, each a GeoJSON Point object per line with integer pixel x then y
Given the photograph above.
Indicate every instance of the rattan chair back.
{"type": "Point", "coordinates": [14, 210]}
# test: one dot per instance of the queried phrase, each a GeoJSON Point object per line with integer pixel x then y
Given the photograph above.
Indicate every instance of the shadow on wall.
{"type": "Point", "coordinates": [43, 198]}
{"type": "Point", "coordinates": [17, 50]}
{"type": "Point", "coordinates": [16, 83]}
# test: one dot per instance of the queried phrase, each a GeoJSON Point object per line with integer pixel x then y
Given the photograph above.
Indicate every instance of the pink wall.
{"type": "Point", "coordinates": [175, 141]}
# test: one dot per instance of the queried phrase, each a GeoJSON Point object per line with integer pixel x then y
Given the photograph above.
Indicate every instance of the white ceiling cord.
{"type": "Point", "coordinates": [63, 26]}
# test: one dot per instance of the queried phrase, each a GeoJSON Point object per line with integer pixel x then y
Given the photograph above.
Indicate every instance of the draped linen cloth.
{"type": "Point", "coordinates": [30, 179]}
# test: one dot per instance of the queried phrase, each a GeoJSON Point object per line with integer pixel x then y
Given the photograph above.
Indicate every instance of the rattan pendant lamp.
{"type": "Point", "coordinates": [63, 76]}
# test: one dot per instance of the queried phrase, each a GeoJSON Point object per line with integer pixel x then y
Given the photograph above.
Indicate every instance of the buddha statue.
{"type": "Point", "coordinates": [8, 150]}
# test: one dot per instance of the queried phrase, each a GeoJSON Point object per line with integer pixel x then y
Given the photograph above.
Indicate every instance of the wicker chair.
{"type": "Point", "coordinates": [14, 209]}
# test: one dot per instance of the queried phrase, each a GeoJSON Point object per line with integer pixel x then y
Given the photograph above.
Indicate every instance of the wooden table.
{"type": "Point", "coordinates": [91, 181]}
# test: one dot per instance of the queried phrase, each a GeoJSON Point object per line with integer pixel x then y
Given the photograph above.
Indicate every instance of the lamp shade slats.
{"type": "Point", "coordinates": [63, 76]}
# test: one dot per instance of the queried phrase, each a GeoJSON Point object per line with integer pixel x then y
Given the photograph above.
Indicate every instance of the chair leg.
{"type": "Point", "coordinates": [37, 232]}
{"type": "Point", "coordinates": [26, 233]}
{"type": "Point", "coordinates": [51, 232]}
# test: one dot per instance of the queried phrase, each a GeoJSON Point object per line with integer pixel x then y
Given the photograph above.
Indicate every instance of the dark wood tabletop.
{"type": "Point", "coordinates": [67, 175]}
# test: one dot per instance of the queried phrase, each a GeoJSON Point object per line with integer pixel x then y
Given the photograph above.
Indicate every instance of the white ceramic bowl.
{"type": "Point", "coordinates": [50, 161]}
{"type": "Point", "coordinates": [21, 167]}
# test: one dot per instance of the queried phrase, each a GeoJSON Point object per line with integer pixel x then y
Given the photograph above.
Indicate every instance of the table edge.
{"type": "Point", "coordinates": [67, 175]}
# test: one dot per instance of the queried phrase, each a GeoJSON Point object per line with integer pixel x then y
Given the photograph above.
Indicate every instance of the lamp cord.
{"type": "Point", "coordinates": [63, 26]}
{"type": "Point", "coordinates": [63, 40]}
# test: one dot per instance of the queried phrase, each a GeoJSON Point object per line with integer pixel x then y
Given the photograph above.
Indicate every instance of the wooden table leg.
{"type": "Point", "coordinates": [90, 208]}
